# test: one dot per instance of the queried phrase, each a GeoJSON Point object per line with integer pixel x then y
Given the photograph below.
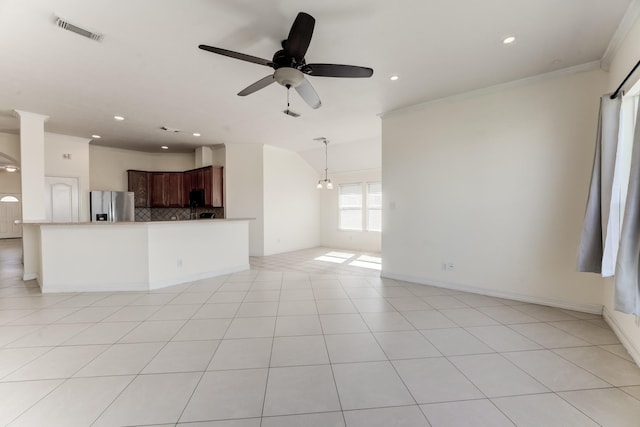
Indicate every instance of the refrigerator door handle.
{"type": "Point", "coordinates": [112, 211]}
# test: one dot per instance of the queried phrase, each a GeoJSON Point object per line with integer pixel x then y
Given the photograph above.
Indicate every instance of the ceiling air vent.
{"type": "Point", "coordinates": [65, 25]}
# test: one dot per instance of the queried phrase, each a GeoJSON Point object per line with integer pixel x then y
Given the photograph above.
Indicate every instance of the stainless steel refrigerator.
{"type": "Point", "coordinates": [112, 206]}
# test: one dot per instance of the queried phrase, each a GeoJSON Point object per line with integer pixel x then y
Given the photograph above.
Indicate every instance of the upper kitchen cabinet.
{"type": "Point", "coordinates": [166, 189]}
{"type": "Point", "coordinates": [208, 179]}
{"type": "Point", "coordinates": [187, 186]}
{"type": "Point", "coordinates": [171, 189]}
{"type": "Point", "coordinates": [213, 187]}
{"type": "Point", "coordinates": [140, 184]}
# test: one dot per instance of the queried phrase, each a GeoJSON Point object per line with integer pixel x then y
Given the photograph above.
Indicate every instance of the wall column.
{"type": "Point", "coordinates": [204, 157]}
{"type": "Point", "coordinates": [32, 165]}
{"type": "Point", "coordinates": [33, 187]}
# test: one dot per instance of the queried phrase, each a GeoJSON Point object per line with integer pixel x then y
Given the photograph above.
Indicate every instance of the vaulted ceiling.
{"type": "Point", "coordinates": [148, 68]}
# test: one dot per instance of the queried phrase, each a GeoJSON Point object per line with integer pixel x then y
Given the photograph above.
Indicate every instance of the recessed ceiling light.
{"type": "Point", "coordinates": [394, 78]}
{"type": "Point", "coordinates": [96, 136]}
{"type": "Point", "coordinates": [10, 169]}
{"type": "Point", "coordinates": [164, 147]}
{"type": "Point", "coordinates": [196, 134]}
{"type": "Point", "coordinates": [119, 118]}
{"type": "Point", "coordinates": [508, 40]}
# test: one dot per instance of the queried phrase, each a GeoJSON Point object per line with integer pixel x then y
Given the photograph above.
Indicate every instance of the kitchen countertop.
{"type": "Point", "coordinates": [101, 223]}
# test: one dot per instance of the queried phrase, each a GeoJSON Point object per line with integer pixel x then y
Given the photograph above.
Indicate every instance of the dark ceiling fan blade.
{"type": "Point", "coordinates": [308, 93]}
{"type": "Point", "coordinates": [299, 38]}
{"type": "Point", "coordinates": [237, 55]}
{"type": "Point", "coordinates": [336, 70]}
{"type": "Point", "coordinates": [260, 84]}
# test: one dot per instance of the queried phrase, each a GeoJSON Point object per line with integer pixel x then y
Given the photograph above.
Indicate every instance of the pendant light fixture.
{"type": "Point", "coordinates": [326, 182]}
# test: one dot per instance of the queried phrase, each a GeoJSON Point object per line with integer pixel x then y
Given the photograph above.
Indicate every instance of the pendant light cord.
{"type": "Point", "coordinates": [326, 161]}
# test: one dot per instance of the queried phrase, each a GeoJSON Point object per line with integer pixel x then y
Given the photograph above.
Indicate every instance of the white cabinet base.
{"type": "Point", "coordinates": [138, 256]}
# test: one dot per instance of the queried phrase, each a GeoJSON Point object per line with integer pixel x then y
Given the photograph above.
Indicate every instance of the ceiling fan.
{"type": "Point", "coordinates": [290, 65]}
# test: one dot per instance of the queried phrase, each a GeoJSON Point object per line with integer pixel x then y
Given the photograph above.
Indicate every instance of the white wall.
{"type": "Point", "coordinates": [244, 190]}
{"type": "Point", "coordinates": [626, 57]}
{"type": "Point", "coordinates": [497, 185]}
{"type": "Point", "coordinates": [109, 165]}
{"type": "Point", "coordinates": [346, 157]}
{"type": "Point", "coordinates": [331, 236]}
{"type": "Point", "coordinates": [291, 215]}
{"type": "Point", "coordinates": [10, 181]}
{"type": "Point", "coordinates": [55, 146]}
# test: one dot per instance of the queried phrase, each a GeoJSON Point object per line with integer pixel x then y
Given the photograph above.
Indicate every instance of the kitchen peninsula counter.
{"type": "Point", "coordinates": [134, 256]}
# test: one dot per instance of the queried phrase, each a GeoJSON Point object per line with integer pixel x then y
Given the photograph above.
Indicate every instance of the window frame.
{"type": "Point", "coordinates": [364, 206]}
{"type": "Point", "coordinates": [341, 209]}
{"type": "Point", "coordinates": [367, 208]}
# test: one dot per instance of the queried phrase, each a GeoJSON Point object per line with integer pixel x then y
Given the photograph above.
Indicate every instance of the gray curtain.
{"type": "Point", "coordinates": [627, 294]}
{"type": "Point", "coordinates": [596, 217]}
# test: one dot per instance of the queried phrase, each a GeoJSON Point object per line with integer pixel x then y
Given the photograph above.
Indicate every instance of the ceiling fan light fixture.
{"type": "Point", "coordinates": [288, 77]}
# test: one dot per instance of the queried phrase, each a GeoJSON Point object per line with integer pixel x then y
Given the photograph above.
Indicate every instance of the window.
{"type": "Point", "coordinates": [350, 207]}
{"type": "Point", "coordinates": [374, 206]}
{"type": "Point", "coordinates": [360, 206]}
{"type": "Point", "coordinates": [10, 199]}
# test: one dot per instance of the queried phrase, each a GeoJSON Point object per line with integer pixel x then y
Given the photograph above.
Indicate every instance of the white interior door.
{"type": "Point", "coordinates": [10, 212]}
{"type": "Point", "coordinates": [61, 199]}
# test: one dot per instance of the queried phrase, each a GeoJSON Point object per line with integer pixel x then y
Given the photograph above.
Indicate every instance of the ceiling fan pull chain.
{"type": "Point", "coordinates": [288, 87]}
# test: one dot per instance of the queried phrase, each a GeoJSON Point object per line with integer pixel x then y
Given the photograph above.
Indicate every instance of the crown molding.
{"type": "Point", "coordinates": [629, 18]}
{"type": "Point", "coordinates": [589, 66]}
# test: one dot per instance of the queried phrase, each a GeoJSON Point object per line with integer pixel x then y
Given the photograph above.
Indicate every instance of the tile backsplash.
{"type": "Point", "coordinates": [174, 214]}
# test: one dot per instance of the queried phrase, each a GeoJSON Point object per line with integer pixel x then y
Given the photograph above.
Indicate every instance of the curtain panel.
{"type": "Point", "coordinates": [627, 274]}
{"type": "Point", "coordinates": [596, 217]}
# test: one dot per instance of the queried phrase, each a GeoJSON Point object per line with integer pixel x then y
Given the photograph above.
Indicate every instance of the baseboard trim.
{"type": "Point", "coordinates": [145, 286]}
{"type": "Point", "coordinates": [194, 277]}
{"type": "Point", "coordinates": [584, 308]}
{"type": "Point", "coordinates": [627, 343]}
{"type": "Point", "coordinates": [29, 276]}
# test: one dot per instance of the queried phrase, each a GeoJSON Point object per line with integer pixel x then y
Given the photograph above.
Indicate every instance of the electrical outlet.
{"type": "Point", "coordinates": [448, 266]}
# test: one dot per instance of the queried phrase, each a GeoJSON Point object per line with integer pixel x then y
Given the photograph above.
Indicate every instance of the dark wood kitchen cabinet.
{"type": "Point", "coordinates": [208, 179]}
{"type": "Point", "coordinates": [140, 184]}
{"type": "Point", "coordinates": [213, 187]}
{"type": "Point", "coordinates": [187, 179]}
{"type": "Point", "coordinates": [171, 189]}
{"type": "Point", "coordinates": [166, 189]}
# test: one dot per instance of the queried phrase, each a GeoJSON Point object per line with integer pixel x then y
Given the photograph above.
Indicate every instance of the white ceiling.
{"type": "Point", "coordinates": [148, 68]}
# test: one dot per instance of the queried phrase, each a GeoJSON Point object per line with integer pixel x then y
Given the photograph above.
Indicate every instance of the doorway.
{"type": "Point", "coordinates": [10, 211]}
{"type": "Point", "coordinates": [61, 199]}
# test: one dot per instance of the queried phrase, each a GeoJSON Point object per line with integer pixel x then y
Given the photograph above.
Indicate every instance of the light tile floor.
{"type": "Point", "coordinates": [300, 341]}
